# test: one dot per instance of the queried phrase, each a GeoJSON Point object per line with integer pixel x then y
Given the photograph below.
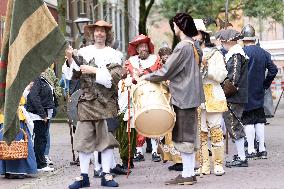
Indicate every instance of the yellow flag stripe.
{"type": "Point", "coordinates": [29, 36]}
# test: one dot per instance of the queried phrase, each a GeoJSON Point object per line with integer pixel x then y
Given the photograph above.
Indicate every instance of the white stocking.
{"type": "Point", "coordinates": [188, 168]}
{"type": "Point", "coordinates": [139, 149]}
{"type": "Point", "coordinates": [97, 165]}
{"type": "Point", "coordinates": [250, 134]}
{"type": "Point", "coordinates": [107, 160]}
{"type": "Point", "coordinates": [154, 145]}
{"type": "Point", "coordinates": [85, 161]}
{"type": "Point", "coordinates": [241, 148]}
{"type": "Point", "coordinates": [259, 128]}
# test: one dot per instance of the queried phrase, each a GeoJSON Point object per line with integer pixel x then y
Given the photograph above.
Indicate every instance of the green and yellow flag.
{"type": "Point", "coordinates": [32, 41]}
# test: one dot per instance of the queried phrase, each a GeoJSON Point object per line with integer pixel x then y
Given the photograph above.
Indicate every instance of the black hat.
{"type": "Point", "coordinates": [228, 35]}
{"type": "Point", "coordinates": [185, 23]}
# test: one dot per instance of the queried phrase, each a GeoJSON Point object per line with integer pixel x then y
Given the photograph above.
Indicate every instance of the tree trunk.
{"type": "Point", "coordinates": [144, 11]}
{"type": "Point", "coordinates": [61, 9]}
{"type": "Point", "coordinates": [126, 23]}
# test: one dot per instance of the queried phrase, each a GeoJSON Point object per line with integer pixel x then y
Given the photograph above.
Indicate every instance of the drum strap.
{"type": "Point", "coordinates": [196, 55]}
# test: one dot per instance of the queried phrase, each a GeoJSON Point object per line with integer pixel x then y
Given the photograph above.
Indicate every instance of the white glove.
{"type": "Point", "coordinates": [128, 81]}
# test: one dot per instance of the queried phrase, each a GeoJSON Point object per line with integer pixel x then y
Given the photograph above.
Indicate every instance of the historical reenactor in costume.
{"type": "Point", "coordinates": [182, 70]}
{"type": "Point", "coordinates": [99, 68]}
{"type": "Point", "coordinates": [142, 61]}
{"type": "Point", "coordinates": [169, 152]}
{"type": "Point", "coordinates": [20, 168]}
{"type": "Point", "coordinates": [253, 115]}
{"type": "Point", "coordinates": [236, 91]}
{"type": "Point", "coordinates": [213, 72]}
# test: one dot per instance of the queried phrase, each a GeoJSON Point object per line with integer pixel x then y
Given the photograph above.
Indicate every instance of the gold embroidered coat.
{"type": "Point", "coordinates": [215, 72]}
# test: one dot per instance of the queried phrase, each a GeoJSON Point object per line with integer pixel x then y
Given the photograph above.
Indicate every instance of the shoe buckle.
{"type": "Point", "coordinates": [108, 177]}
{"type": "Point", "coordinates": [80, 178]}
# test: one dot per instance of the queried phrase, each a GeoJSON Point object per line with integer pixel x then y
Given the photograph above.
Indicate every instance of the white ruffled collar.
{"type": "Point", "coordinates": [102, 56]}
{"type": "Point", "coordinates": [147, 63]}
{"type": "Point", "coordinates": [236, 49]}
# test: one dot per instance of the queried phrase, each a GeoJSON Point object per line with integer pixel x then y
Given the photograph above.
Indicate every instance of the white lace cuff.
{"type": "Point", "coordinates": [103, 77]}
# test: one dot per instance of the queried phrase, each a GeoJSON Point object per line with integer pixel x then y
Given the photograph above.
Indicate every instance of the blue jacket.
{"type": "Point", "coordinates": [259, 62]}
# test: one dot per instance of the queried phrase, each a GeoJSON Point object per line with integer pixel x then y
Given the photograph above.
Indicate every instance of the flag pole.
{"type": "Point", "coordinates": [226, 25]}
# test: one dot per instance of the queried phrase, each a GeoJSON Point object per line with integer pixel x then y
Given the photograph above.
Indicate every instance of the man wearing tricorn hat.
{"type": "Point", "coordinates": [99, 69]}
{"type": "Point", "coordinates": [236, 91]}
{"type": "Point", "coordinates": [258, 81]}
{"type": "Point", "coordinates": [142, 61]}
{"type": "Point", "coordinates": [185, 86]}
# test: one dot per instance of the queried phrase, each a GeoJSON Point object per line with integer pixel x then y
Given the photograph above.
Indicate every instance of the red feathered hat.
{"type": "Point", "coordinates": [138, 40]}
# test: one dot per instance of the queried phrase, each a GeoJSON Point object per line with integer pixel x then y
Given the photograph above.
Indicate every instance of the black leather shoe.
{"type": "Point", "coordinates": [250, 156]}
{"type": "Point", "coordinates": [138, 157]}
{"type": "Point", "coordinates": [176, 167]}
{"type": "Point", "coordinates": [261, 155]}
{"type": "Point", "coordinates": [15, 176]}
{"type": "Point", "coordinates": [80, 182]}
{"type": "Point", "coordinates": [119, 170]}
{"type": "Point", "coordinates": [156, 157]}
{"type": "Point", "coordinates": [76, 162]}
{"type": "Point", "coordinates": [107, 180]}
{"type": "Point", "coordinates": [237, 163]}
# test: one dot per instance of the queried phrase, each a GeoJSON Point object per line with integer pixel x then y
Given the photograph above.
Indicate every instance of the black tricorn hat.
{"type": "Point", "coordinates": [185, 23]}
{"type": "Point", "coordinates": [228, 35]}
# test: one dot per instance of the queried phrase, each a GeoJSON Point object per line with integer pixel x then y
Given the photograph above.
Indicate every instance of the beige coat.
{"type": "Point", "coordinates": [215, 100]}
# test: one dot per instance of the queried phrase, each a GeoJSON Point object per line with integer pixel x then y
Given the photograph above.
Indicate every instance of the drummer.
{"type": "Point", "coordinates": [186, 89]}
{"type": "Point", "coordinates": [142, 61]}
{"type": "Point", "coordinates": [169, 152]}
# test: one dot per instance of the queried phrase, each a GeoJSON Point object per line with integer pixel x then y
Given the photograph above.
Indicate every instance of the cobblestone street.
{"type": "Point", "coordinates": [260, 174]}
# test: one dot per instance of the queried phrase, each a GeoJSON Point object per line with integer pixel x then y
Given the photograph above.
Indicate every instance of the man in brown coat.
{"type": "Point", "coordinates": [99, 69]}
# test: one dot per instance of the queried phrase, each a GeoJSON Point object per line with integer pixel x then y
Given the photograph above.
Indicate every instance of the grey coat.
{"type": "Point", "coordinates": [183, 72]}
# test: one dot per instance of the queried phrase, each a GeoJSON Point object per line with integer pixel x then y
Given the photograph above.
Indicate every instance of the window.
{"type": "Point", "coordinates": [82, 7]}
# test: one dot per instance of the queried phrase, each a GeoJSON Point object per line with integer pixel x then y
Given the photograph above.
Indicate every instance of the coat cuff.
{"type": "Point", "coordinates": [103, 77]}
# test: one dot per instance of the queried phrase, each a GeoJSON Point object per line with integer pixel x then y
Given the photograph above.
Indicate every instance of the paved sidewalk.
{"type": "Point", "coordinates": [260, 174]}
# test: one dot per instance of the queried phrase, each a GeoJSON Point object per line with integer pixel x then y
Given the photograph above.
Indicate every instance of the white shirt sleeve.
{"type": "Point", "coordinates": [103, 77]}
{"type": "Point", "coordinates": [68, 71]}
{"type": "Point", "coordinates": [28, 120]}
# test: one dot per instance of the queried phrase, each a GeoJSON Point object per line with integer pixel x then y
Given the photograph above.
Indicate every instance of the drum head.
{"type": "Point", "coordinates": [154, 122]}
{"type": "Point", "coordinates": [72, 107]}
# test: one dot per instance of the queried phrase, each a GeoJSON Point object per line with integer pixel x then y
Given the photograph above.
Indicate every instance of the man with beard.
{"type": "Point", "coordinates": [142, 61]}
{"type": "Point", "coordinates": [182, 70]}
{"type": "Point", "coordinates": [99, 69]}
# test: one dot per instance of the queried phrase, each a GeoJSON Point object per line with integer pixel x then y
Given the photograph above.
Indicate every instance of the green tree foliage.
{"type": "Point", "coordinates": [265, 8]}
{"type": "Point", "coordinates": [216, 9]}
{"type": "Point", "coordinates": [213, 8]}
